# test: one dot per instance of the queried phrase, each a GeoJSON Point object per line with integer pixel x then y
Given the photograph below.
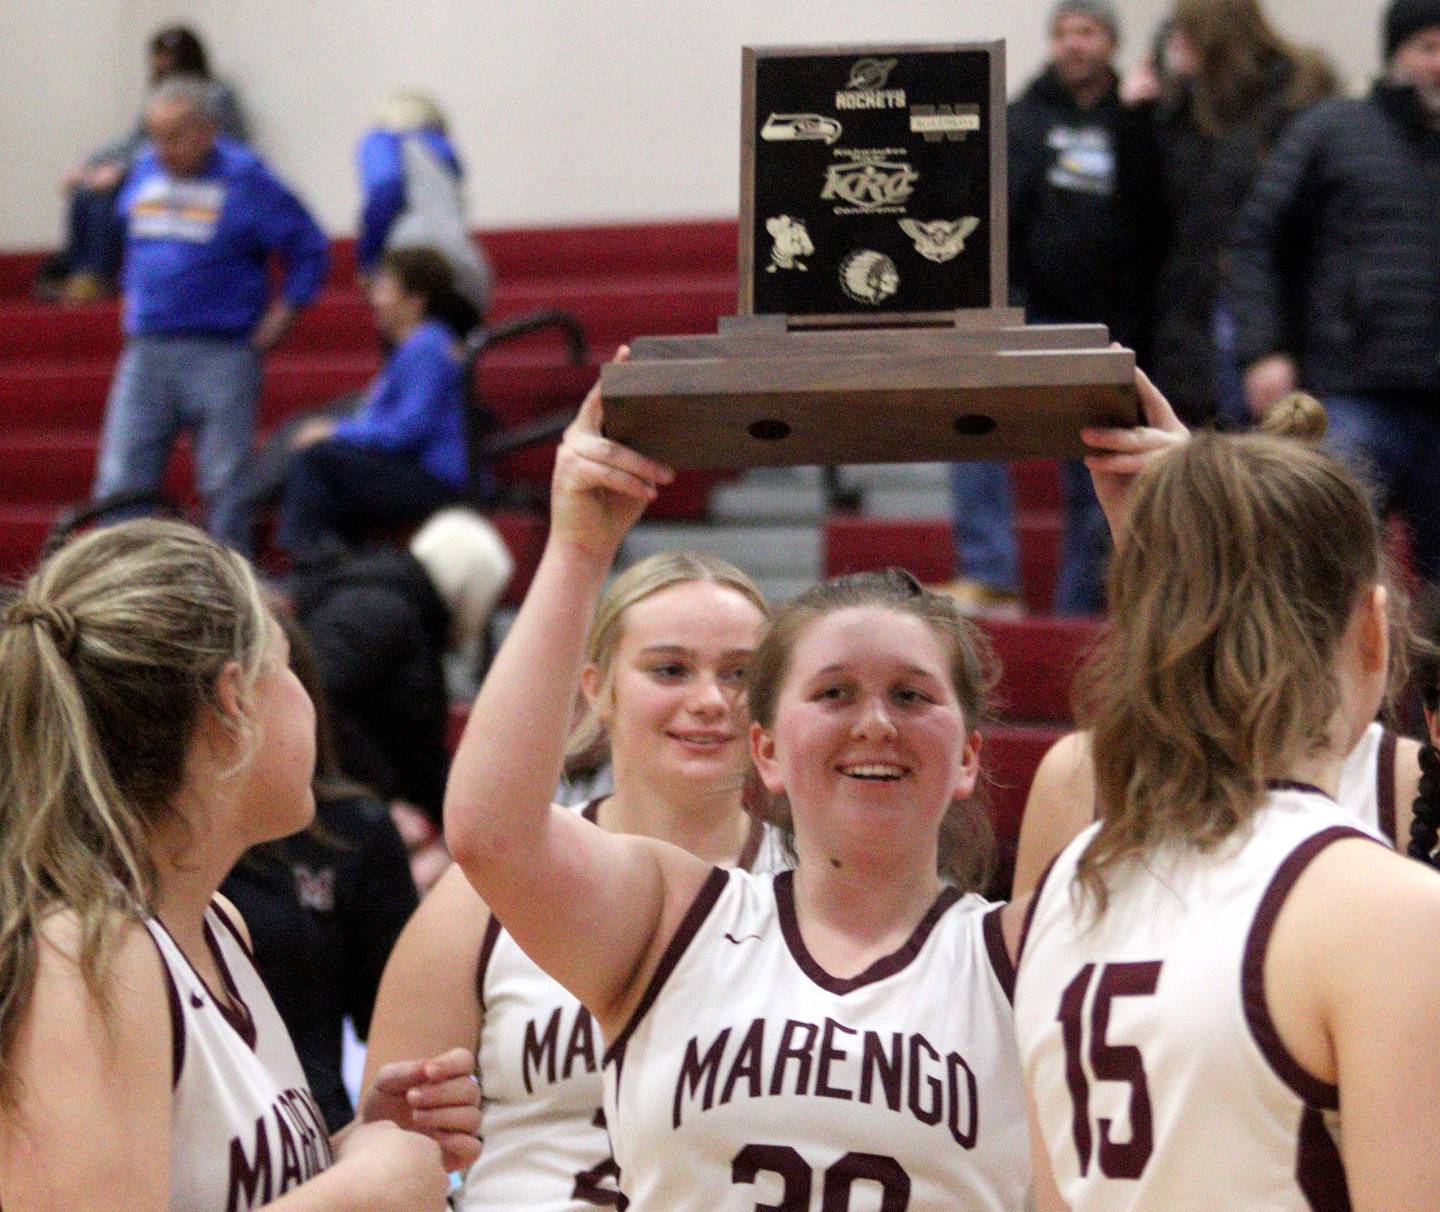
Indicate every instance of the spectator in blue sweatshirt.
{"type": "Point", "coordinates": [203, 218]}
{"type": "Point", "coordinates": [402, 455]}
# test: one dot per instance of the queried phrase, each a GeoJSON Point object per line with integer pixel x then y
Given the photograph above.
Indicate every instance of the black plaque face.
{"type": "Point", "coordinates": [870, 182]}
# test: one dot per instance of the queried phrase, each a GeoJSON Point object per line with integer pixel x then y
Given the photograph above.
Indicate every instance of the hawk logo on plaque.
{"type": "Point", "coordinates": [939, 240]}
{"type": "Point", "coordinates": [937, 122]}
{"type": "Point", "coordinates": [788, 128]}
{"type": "Point", "coordinates": [866, 87]}
{"type": "Point", "coordinates": [869, 185]}
{"type": "Point", "coordinates": [868, 276]}
{"type": "Point", "coordinates": [792, 242]}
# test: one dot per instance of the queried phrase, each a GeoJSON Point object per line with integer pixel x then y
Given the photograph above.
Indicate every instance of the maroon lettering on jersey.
{"type": "Point", "coordinates": [906, 1072]}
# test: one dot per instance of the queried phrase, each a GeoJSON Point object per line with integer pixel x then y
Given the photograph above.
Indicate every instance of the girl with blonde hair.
{"type": "Point", "coordinates": [151, 731]}
{"type": "Point", "coordinates": [663, 686]}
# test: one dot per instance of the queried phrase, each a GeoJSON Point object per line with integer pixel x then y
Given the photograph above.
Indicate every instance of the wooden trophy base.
{"type": "Point", "coordinates": [764, 394]}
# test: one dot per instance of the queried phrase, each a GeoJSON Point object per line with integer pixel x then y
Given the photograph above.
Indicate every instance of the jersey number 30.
{"type": "Point", "coordinates": [796, 1175]}
{"type": "Point", "coordinates": [1110, 1063]}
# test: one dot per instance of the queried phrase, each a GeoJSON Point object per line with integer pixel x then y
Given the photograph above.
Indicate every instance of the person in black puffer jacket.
{"type": "Point", "coordinates": [1345, 222]}
{"type": "Point", "coordinates": [1238, 85]}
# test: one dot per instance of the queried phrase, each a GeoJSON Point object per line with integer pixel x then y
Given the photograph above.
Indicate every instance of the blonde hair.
{"type": "Point", "coordinates": [406, 111]}
{"type": "Point", "coordinates": [967, 839]}
{"type": "Point", "coordinates": [638, 582]}
{"type": "Point", "coordinates": [108, 658]}
{"type": "Point", "coordinates": [1244, 559]}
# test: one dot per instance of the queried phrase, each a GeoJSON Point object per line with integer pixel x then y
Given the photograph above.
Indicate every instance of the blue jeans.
{"type": "Point", "coordinates": [983, 509]}
{"type": "Point", "coordinates": [1395, 443]}
{"type": "Point", "coordinates": [162, 385]}
{"type": "Point", "coordinates": [1084, 547]}
{"type": "Point", "coordinates": [336, 490]}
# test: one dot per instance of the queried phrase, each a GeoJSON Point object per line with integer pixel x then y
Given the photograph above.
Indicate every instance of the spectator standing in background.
{"type": "Point", "coordinates": [87, 267]}
{"type": "Point", "coordinates": [1238, 85]}
{"type": "Point", "coordinates": [324, 906]}
{"type": "Point", "coordinates": [1336, 274]}
{"type": "Point", "coordinates": [1083, 199]}
{"type": "Point", "coordinates": [404, 453]}
{"type": "Point", "coordinates": [203, 216]}
{"type": "Point", "coordinates": [410, 179]}
{"type": "Point", "coordinates": [381, 622]}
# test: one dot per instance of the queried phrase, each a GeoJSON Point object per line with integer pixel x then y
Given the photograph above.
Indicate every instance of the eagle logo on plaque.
{"type": "Point", "coordinates": [792, 242]}
{"type": "Point", "coordinates": [868, 276]}
{"type": "Point", "coordinates": [788, 128]}
{"type": "Point", "coordinates": [939, 240]}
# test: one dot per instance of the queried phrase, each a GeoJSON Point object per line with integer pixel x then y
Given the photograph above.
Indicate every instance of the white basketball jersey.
{"type": "Point", "coordinates": [545, 1144]}
{"type": "Point", "coordinates": [751, 1078]}
{"type": "Point", "coordinates": [1158, 1076]}
{"type": "Point", "coordinates": [245, 1127]}
{"type": "Point", "coordinates": [1367, 781]}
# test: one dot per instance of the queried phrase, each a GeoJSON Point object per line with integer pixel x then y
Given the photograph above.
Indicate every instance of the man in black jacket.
{"type": "Point", "coordinates": [1084, 235]}
{"type": "Point", "coordinates": [1336, 273]}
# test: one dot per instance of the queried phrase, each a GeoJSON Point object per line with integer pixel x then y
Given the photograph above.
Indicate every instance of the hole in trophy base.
{"type": "Point", "coordinates": [974, 425]}
{"type": "Point", "coordinates": [770, 431]}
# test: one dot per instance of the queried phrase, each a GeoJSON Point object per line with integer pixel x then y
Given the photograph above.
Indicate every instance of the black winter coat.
{"type": "Point", "coordinates": [1085, 214]}
{"type": "Point", "coordinates": [379, 630]}
{"type": "Point", "coordinates": [1346, 219]}
{"type": "Point", "coordinates": [1206, 180]}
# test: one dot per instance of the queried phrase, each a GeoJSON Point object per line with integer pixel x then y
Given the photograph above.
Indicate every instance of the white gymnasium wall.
{"type": "Point", "coordinates": [564, 113]}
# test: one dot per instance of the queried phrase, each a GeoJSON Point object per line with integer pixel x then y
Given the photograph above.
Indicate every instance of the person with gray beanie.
{"type": "Point", "coordinates": [1336, 273]}
{"type": "Point", "coordinates": [1083, 198]}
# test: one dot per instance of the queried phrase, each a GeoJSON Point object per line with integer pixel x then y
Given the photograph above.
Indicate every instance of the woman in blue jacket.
{"type": "Point", "coordinates": [403, 454]}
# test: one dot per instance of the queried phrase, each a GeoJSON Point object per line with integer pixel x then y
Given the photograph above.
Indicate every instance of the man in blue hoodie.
{"type": "Point", "coordinates": [203, 216]}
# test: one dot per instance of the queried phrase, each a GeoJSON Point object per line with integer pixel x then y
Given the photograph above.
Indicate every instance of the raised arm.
{"type": "Point", "coordinates": [592, 909]}
{"type": "Point", "coordinates": [1117, 456]}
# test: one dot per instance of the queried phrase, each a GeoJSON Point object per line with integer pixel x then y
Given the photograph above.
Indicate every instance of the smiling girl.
{"type": "Point", "coordinates": [844, 1030]}
{"type": "Point", "coordinates": [663, 682]}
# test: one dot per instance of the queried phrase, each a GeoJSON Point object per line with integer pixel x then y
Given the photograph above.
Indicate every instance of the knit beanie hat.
{"type": "Point", "coordinates": [1404, 18]}
{"type": "Point", "coordinates": [1102, 11]}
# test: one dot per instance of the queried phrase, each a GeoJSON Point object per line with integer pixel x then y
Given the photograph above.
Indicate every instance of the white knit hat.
{"type": "Point", "coordinates": [469, 565]}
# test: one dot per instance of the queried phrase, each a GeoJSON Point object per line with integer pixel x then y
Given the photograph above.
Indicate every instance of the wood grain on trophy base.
{"type": "Point", "coordinates": [843, 404]}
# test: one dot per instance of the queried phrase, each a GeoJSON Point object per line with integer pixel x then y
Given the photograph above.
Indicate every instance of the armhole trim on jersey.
{"type": "Point", "coordinates": [233, 1007]}
{"type": "Point", "coordinates": [684, 935]}
{"type": "Point", "coordinates": [999, 957]}
{"type": "Point", "coordinates": [1308, 1088]}
{"type": "Point", "coordinates": [177, 1015]}
{"type": "Point", "coordinates": [1385, 785]}
{"type": "Point", "coordinates": [487, 948]}
{"type": "Point", "coordinates": [1031, 907]}
{"type": "Point", "coordinates": [234, 929]}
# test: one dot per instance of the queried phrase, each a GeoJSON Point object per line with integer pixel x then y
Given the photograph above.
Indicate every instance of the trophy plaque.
{"type": "Point", "coordinates": [872, 323]}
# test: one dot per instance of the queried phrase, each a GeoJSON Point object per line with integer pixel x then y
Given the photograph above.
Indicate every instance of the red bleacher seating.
{"type": "Point", "coordinates": [56, 362]}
